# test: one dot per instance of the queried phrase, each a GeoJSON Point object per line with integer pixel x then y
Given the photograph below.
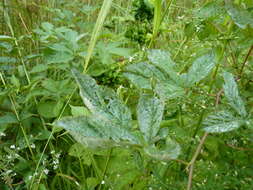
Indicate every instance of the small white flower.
{"type": "Point", "coordinates": [9, 157]}
{"type": "Point", "coordinates": [2, 134]}
{"type": "Point", "coordinates": [46, 171]}
{"type": "Point", "coordinates": [13, 146]}
{"type": "Point", "coordinates": [32, 145]}
{"type": "Point", "coordinates": [29, 177]}
{"type": "Point", "coordinates": [131, 59]}
{"type": "Point", "coordinates": [102, 182]}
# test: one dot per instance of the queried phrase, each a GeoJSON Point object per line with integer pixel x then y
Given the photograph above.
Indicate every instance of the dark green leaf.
{"type": "Point", "coordinates": [221, 122]}
{"type": "Point", "coordinates": [232, 94]}
{"type": "Point", "coordinates": [171, 150]}
{"type": "Point", "coordinates": [161, 59]}
{"type": "Point", "coordinates": [149, 113]}
{"type": "Point", "coordinates": [241, 17]}
{"type": "Point", "coordinates": [200, 68]}
{"type": "Point", "coordinates": [168, 90]}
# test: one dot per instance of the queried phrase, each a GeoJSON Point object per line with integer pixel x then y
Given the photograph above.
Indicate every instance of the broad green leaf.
{"type": "Point", "coordinates": [39, 68]}
{"type": "Point", "coordinates": [49, 109]}
{"type": "Point", "coordinates": [232, 94]}
{"type": "Point", "coordinates": [90, 92]}
{"type": "Point", "coordinates": [8, 118]}
{"type": "Point", "coordinates": [200, 68]}
{"type": "Point", "coordinates": [241, 17]}
{"type": "Point", "coordinates": [94, 143]}
{"type": "Point", "coordinates": [168, 90]}
{"type": "Point", "coordinates": [142, 73]}
{"type": "Point", "coordinates": [79, 151]}
{"type": "Point", "coordinates": [59, 57]}
{"type": "Point", "coordinates": [221, 122]}
{"type": "Point", "coordinates": [161, 59]}
{"type": "Point", "coordinates": [149, 114]}
{"type": "Point", "coordinates": [92, 182]}
{"type": "Point", "coordinates": [79, 111]}
{"type": "Point", "coordinates": [15, 81]}
{"type": "Point", "coordinates": [171, 150]}
{"type": "Point", "coordinates": [211, 10]}
{"type": "Point", "coordinates": [103, 101]}
{"type": "Point", "coordinates": [6, 47]}
{"type": "Point", "coordinates": [138, 80]}
{"type": "Point", "coordinates": [7, 59]}
{"type": "Point", "coordinates": [112, 128]}
{"type": "Point", "coordinates": [110, 115]}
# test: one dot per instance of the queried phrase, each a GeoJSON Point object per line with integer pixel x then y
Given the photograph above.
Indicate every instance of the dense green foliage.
{"type": "Point", "coordinates": [141, 94]}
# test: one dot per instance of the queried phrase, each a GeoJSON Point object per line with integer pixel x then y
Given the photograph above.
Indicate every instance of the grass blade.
{"type": "Point", "coordinates": [99, 23]}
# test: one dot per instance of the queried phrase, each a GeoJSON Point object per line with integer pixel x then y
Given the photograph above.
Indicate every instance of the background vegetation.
{"type": "Point", "coordinates": [177, 73]}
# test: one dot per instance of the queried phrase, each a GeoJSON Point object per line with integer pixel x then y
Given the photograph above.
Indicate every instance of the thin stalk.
{"type": "Point", "coordinates": [98, 26]}
{"type": "Point", "coordinates": [18, 118]}
{"type": "Point", "coordinates": [157, 20]}
{"type": "Point", "coordinates": [245, 60]}
{"type": "Point", "coordinates": [106, 166]}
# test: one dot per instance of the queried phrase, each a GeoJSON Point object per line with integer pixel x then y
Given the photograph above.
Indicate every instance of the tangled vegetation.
{"type": "Point", "coordinates": [126, 95]}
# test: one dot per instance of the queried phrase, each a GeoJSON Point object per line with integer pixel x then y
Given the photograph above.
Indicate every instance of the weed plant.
{"type": "Point", "coordinates": [141, 94]}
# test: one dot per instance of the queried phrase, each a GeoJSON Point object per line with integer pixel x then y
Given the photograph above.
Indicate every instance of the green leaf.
{"type": "Point", "coordinates": [168, 90]}
{"type": "Point", "coordinates": [109, 114]}
{"type": "Point", "coordinates": [149, 113]}
{"type": "Point", "coordinates": [39, 68]}
{"type": "Point", "coordinates": [92, 182]}
{"type": "Point", "coordinates": [171, 150]}
{"type": "Point", "coordinates": [232, 94]}
{"type": "Point", "coordinates": [7, 59]}
{"type": "Point", "coordinates": [82, 125]}
{"type": "Point", "coordinates": [221, 122]}
{"type": "Point", "coordinates": [15, 81]}
{"type": "Point", "coordinates": [161, 59]}
{"type": "Point", "coordinates": [241, 17]}
{"type": "Point", "coordinates": [49, 109]}
{"type": "Point", "coordinates": [103, 101]}
{"type": "Point", "coordinates": [8, 118]}
{"type": "Point", "coordinates": [59, 57]}
{"type": "Point", "coordinates": [142, 74]}
{"type": "Point", "coordinates": [211, 10]}
{"type": "Point", "coordinates": [79, 111]}
{"type": "Point", "coordinates": [200, 68]}
{"type": "Point", "coordinates": [79, 151]}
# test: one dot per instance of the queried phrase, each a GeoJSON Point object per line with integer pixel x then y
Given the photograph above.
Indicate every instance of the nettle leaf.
{"type": "Point", "coordinates": [170, 150]}
{"type": "Point", "coordinates": [77, 150]}
{"type": "Point", "coordinates": [211, 10]}
{"type": "Point", "coordinates": [161, 59]}
{"type": "Point", "coordinates": [168, 90]}
{"type": "Point", "coordinates": [241, 17]}
{"type": "Point", "coordinates": [81, 125]}
{"type": "Point", "coordinates": [232, 94]}
{"type": "Point", "coordinates": [221, 122]}
{"type": "Point", "coordinates": [200, 68]}
{"type": "Point", "coordinates": [149, 113]}
{"type": "Point", "coordinates": [109, 115]}
{"type": "Point", "coordinates": [141, 74]}
{"type": "Point", "coordinates": [90, 92]}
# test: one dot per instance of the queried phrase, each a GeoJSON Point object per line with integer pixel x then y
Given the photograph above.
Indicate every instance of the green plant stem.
{"type": "Point", "coordinates": [98, 26]}
{"type": "Point", "coordinates": [18, 118]}
{"type": "Point", "coordinates": [157, 20]}
{"type": "Point", "coordinates": [245, 61]}
{"type": "Point", "coordinates": [106, 166]}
